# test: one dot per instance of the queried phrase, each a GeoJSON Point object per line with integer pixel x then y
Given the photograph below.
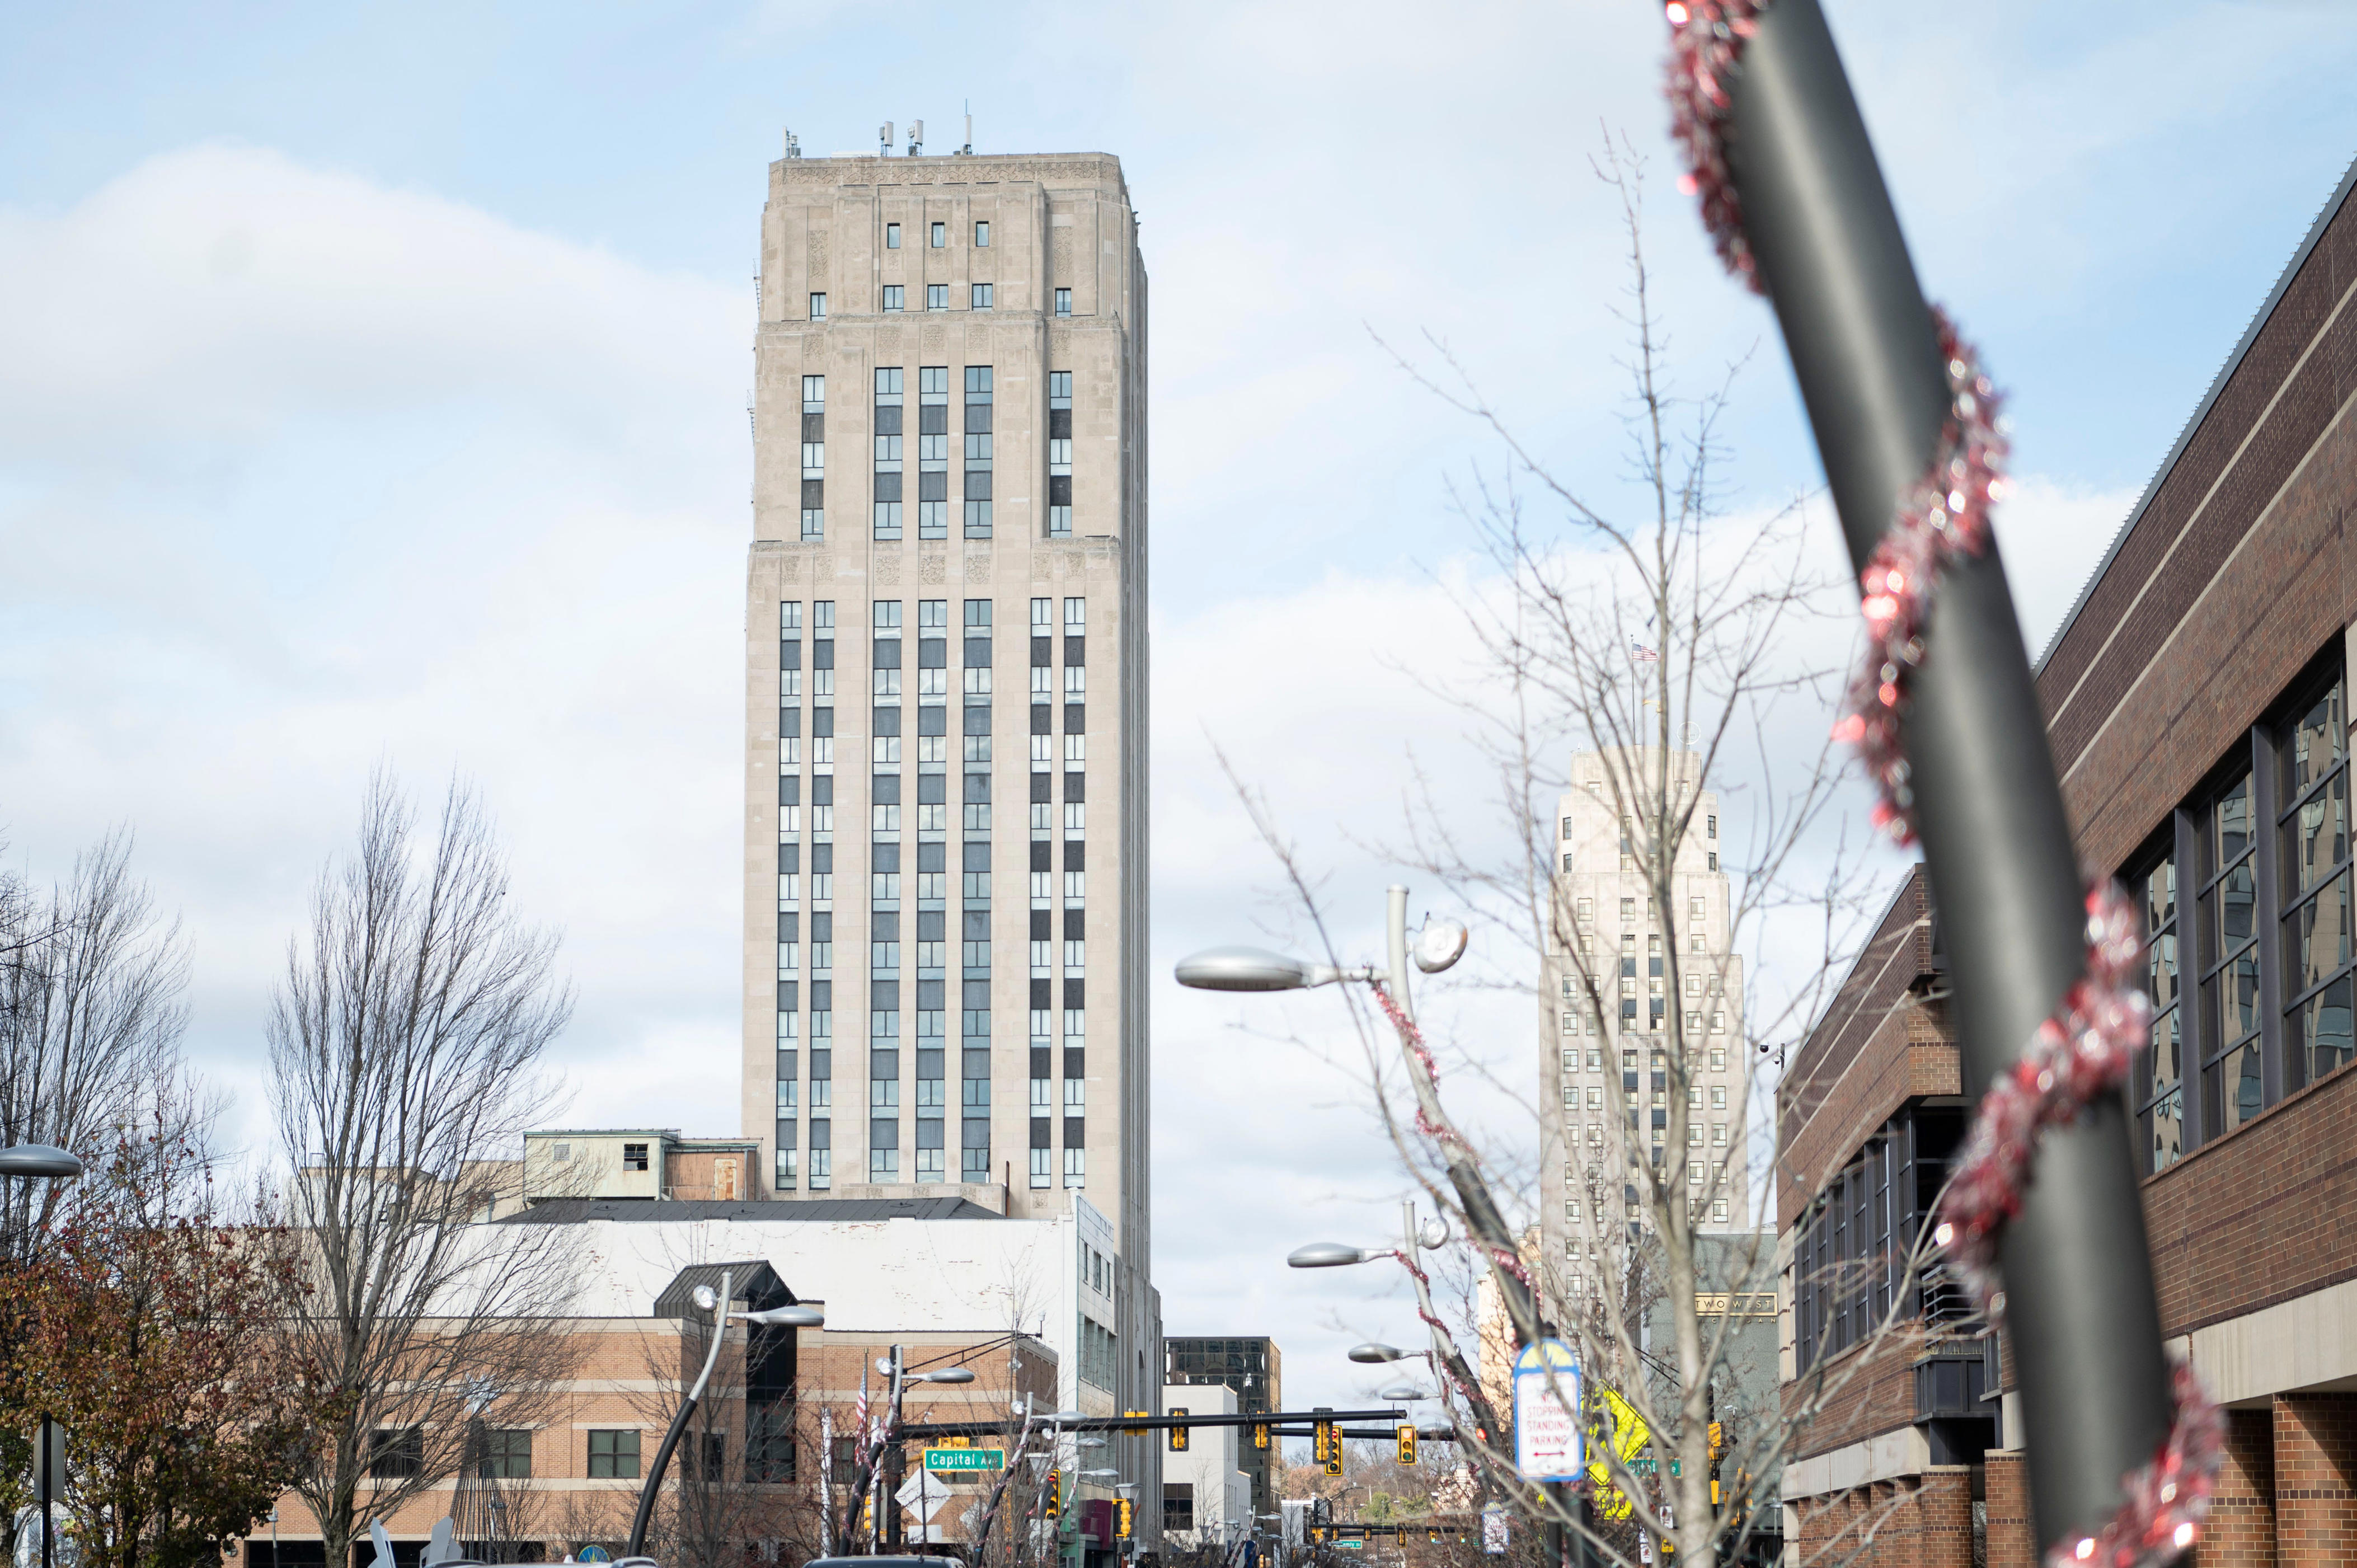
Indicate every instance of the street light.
{"type": "Point", "coordinates": [33, 1161]}
{"type": "Point", "coordinates": [39, 1160]}
{"type": "Point", "coordinates": [705, 1299]}
{"type": "Point", "coordinates": [1331, 1255]}
{"type": "Point", "coordinates": [1374, 1353]}
{"type": "Point", "coordinates": [1255, 969]}
{"type": "Point", "coordinates": [1405, 1392]}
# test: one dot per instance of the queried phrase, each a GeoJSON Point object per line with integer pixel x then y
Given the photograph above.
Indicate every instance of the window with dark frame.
{"type": "Point", "coordinates": [981, 236]}
{"type": "Point", "coordinates": [893, 295]}
{"type": "Point", "coordinates": [891, 236]}
{"type": "Point", "coordinates": [2160, 1110]}
{"type": "Point", "coordinates": [614, 1455]}
{"type": "Point", "coordinates": [397, 1452]}
{"type": "Point", "coordinates": [634, 1156]}
{"type": "Point", "coordinates": [2249, 906]}
{"type": "Point", "coordinates": [506, 1455]}
{"type": "Point", "coordinates": [818, 307]}
{"type": "Point", "coordinates": [1059, 454]}
{"type": "Point", "coordinates": [1063, 302]}
{"type": "Point", "coordinates": [2313, 828]}
{"type": "Point", "coordinates": [937, 296]}
{"type": "Point", "coordinates": [941, 235]}
{"type": "Point", "coordinates": [2231, 1090]}
{"type": "Point", "coordinates": [982, 296]}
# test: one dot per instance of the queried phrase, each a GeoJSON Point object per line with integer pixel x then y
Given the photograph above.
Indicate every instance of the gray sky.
{"type": "Point", "coordinates": [372, 385]}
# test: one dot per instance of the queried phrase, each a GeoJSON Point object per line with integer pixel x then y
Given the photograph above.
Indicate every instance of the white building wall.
{"type": "Point", "coordinates": [1223, 1492]}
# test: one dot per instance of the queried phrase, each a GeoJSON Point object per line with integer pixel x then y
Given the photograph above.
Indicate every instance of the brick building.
{"type": "Point", "coordinates": [2196, 701]}
{"type": "Point", "coordinates": [1020, 1302]}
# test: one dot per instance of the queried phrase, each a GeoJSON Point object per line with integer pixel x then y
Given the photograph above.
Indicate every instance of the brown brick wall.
{"type": "Point", "coordinates": [2315, 1455]}
{"type": "Point", "coordinates": [2265, 1214]}
{"type": "Point", "coordinates": [1868, 1390]}
{"type": "Point", "coordinates": [626, 1377]}
{"type": "Point", "coordinates": [1876, 1046]}
{"type": "Point", "coordinates": [2006, 1487]}
{"type": "Point", "coordinates": [2241, 1525]}
{"type": "Point", "coordinates": [2276, 403]}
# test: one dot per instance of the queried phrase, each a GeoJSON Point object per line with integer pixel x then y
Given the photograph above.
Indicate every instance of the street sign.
{"type": "Point", "coordinates": [1547, 1412]}
{"type": "Point", "coordinates": [1351, 1545]}
{"type": "Point", "coordinates": [925, 1492]}
{"type": "Point", "coordinates": [939, 1459]}
{"type": "Point", "coordinates": [1493, 1530]}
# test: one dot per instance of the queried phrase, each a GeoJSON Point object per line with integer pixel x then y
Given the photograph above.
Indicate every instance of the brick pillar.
{"type": "Point", "coordinates": [2241, 1528]}
{"type": "Point", "coordinates": [1888, 1517]}
{"type": "Point", "coordinates": [2314, 1457]}
{"type": "Point", "coordinates": [1943, 1517]}
{"type": "Point", "coordinates": [2012, 1543]}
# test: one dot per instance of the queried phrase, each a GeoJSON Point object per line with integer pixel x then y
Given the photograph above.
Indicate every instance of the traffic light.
{"type": "Point", "coordinates": [1055, 1493]}
{"type": "Point", "coordinates": [1121, 1517]}
{"type": "Point", "coordinates": [1260, 1434]}
{"type": "Point", "coordinates": [1177, 1434]}
{"type": "Point", "coordinates": [1328, 1447]}
{"type": "Point", "coordinates": [1406, 1435]}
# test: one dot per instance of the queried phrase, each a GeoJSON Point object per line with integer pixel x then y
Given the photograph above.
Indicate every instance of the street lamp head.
{"type": "Point", "coordinates": [1088, 1441]}
{"type": "Point", "coordinates": [1327, 1255]}
{"type": "Point", "coordinates": [1374, 1353]}
{"type": "Point", "coordinates": [946, 1375]}
{"type": "Point", "coordinates": [1405, 1392]}
{"type": "Point", "coordinates": [1253, 969]}
{"type": "Point", "coordinates": [1094, 1473]}
{"type": "Point", "coordinates": [1440, 945]}
{"type": "Point", "coordinates": [38, 1160]}
{"type": "Point", "coordinates": [704, 1297]}
{"type": "Point", "coordinates": [1066, 1417]}
{"type": "Point", "coordinates": [792, 1316]}
{"type": "Point", "coordinates": [1433, 1232]}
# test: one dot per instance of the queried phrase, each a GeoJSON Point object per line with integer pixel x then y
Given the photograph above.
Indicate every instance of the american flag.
{"type": "Point", "coordinates": [1640, 654]}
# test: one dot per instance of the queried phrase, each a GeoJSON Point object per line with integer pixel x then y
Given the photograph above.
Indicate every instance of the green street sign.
{"type": "Point", "coordinates": [939, 1459]}
{"type": "Point", "coordinates": [1351, 1545]}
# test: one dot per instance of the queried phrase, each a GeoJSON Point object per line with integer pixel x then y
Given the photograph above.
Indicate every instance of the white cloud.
{"type": "Point", "coordinates": [405, 483]}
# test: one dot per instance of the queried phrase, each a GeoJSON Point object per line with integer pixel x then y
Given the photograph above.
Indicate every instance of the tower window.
{"type": "Point", "coordinates": [1063, 302]}
{"type": "Point", "coordinates": [818, 307]}
{"type": "Point", "coordinates": [941, 235]}
{"type": "Point", "coordinates": [891, 236]}
{"type": "Point", "coordinates": [937, 296]}
{"type": "Point", "coordinates": [981, 236]}
{"type": "Point", "coordinates": [982, 296]}
{"type": "Point", "coordinates": [893, 294]}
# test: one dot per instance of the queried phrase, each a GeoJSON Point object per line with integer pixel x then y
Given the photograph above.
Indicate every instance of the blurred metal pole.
{"type": "Point", "coordinates": [1996, 842]}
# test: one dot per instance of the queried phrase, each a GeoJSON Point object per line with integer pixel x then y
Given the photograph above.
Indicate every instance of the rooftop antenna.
{"type": "Point", "coordinates": [967, 151]}
{"type": "Point", "coordinates": [916, 138]}
{"type": "Point", "coordinates": [884, 140]}
{"type": "Point", "coordinates": [793, 148]}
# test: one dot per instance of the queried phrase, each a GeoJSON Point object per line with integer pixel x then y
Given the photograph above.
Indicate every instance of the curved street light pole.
{"type": "Point", "coordinates": [679, 1423]}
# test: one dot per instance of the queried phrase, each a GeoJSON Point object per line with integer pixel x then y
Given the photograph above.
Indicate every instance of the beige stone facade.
{"type": "Point", "coordinates": [1661, 976]}
{"type": "Point", "coordinates": [945, 720]}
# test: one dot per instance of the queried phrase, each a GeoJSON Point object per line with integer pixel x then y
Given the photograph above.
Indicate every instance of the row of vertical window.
{"type": "Point", "coordinates": [894, 299]}
{"type": "Point", "coordinates": [2248, 907]}
{"type": "Point", "coordinates": [933, 453]}
{"type": "Point", "coordinates": [931, 947]}
{"type": "Point", "coordinates": [938, 234]}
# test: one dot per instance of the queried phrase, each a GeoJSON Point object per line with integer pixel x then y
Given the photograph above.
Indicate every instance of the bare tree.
{"type": "Point", "coordinates": [92, 983]}
{"type": "Point", "coordinates": [405, 1045]}
{"type": "Point", "coordinates": [1680, 650]}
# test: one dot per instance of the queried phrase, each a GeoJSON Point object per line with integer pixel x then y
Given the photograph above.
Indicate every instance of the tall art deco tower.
{"type": "Point", "coordinates": [946, 716]}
